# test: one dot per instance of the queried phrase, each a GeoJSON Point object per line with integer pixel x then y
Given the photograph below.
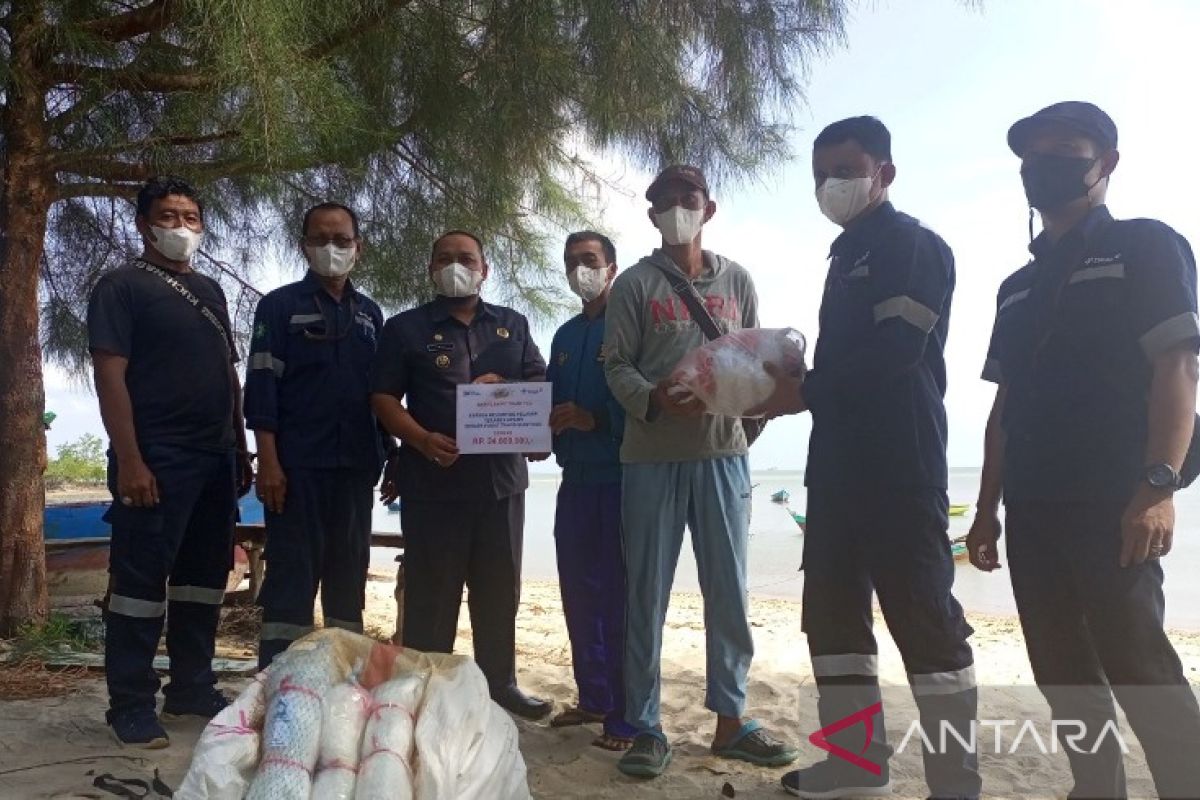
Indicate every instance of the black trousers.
{"type": "Point", "coordinates": [322, 540]}
{"type": "Point", "coordinates": [172, 559]}
{"type": "Point", "coordinates": [1094, 629]}
{"type": "Point", "coordinates": [472, 543]}
{"type": "Point", "coordinates": [891, 543]}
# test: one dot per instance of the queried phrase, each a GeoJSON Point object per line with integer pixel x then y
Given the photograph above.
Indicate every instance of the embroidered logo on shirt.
{"type": "Point", "coordinates": [502, 333]}
{"type": "Point", "coordinates": [442, 361]}
{"type": "Point", "coordinates": [562, 359]}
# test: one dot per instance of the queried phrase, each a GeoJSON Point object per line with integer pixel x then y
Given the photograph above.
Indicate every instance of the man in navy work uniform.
{"type": "Point", "coordinates": [319, 447]}
{"type": "Point", "coordinates": [876, 476]}
{"type": "Point", "coordinates": [587, 423]}
{"type": "Point", "coordinates": [1094, 353]}
{"type": "Point", "coordinates": [161, 347]}
{"type": "Point", "coordinates": [463, 516]}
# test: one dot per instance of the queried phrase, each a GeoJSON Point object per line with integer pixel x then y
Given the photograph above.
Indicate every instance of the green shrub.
{"type": "Point", "coordinates": [79, 462]}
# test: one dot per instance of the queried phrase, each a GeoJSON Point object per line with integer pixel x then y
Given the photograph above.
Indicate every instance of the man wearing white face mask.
{"type": "Point", "coordinates": [681, 467]}
{"type": "Point", "coordinates": [463, 516]}
{"type": "Point", "coordinates": [161, 346]}
{"type": "Point", "coordinates": [587, 423]}
{"type": "Point", "coordinates": [876, 476]}
{"type": "Point", "coordinates": [319, 446]}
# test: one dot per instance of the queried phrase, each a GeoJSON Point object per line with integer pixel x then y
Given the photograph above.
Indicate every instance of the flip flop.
{"type": "Point", "coordinates": [575, 716]}
{"type": "Point", "coordinates": [754, 745]}
{"type": "Point", "coordinates": [615, 744]}
{"type": "Point", "coordinates": [648, 756]}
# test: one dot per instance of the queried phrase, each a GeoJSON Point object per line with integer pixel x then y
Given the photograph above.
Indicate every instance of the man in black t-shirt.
{"type": "Point", "coordinates": [163, 361]}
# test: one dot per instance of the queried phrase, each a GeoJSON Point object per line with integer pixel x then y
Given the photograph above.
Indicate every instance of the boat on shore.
{"type": "Point", "coordinates": [782, 496]}
{"type": "Point", "coordinates": [77, 540]}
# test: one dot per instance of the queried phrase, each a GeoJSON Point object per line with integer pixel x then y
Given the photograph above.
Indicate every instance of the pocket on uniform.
{"type": "Point", "coordinates": [131, 518]}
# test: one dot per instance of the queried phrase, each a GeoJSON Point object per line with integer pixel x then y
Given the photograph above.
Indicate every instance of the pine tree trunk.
{"type": "Point", "coordinates": [25, 200]}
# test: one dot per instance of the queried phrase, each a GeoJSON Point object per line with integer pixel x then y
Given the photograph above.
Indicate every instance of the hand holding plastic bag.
{"type": "Point", "coordinates": [731, 376]}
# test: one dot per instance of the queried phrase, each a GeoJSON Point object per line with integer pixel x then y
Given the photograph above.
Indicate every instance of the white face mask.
{"type": "Point", "coordinates": [456, 280]}
{"type": "Point", "coordinates": [680, 225]}
{"type": "Point", "coordinates": [330, 260]}
{"type": "Point", "coordinates": [176, 244]}
{"type": "Point", "coordinates": [588, 282]}
{"type": "Point", "coordinates": [843, 199]}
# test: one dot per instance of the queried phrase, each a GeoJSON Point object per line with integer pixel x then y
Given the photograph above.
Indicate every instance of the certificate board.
{"type": "Point", "coordinates": [503, 418]}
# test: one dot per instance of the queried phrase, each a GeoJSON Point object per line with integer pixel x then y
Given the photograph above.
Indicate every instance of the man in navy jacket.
{"type": "Point", "coordinates": [587, 423]}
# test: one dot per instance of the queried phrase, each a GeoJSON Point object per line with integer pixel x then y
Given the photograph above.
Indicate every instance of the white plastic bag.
{"type": "Point", "coordinates": [387, 762]}
{"type": "Point", "coordinates": [468, 744]}
{"type": "Point", "coordinates": [728, 374]}
{"type": "Point", "coordinates": [344, 715]}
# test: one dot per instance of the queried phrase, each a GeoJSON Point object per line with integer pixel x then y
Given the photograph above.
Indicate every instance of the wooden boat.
{"type": "Point", "coordinates": [801, 520]}
{"type": "Point", "coordinates": [781, 496]}
{"type": "Point", "coordinates": [958, 549]}
{"type": "Point", "coordinates": [959, 509]}
{"type": "Point", "coordinates": [77, 540]}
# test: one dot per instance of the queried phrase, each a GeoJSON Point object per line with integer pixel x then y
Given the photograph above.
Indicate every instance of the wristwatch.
{"type": "Point", "coordinates": [1163, 476]}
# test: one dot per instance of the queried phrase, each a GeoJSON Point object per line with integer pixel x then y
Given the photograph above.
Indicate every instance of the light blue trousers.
{"type": "Point", "coordinates": [712, 498]}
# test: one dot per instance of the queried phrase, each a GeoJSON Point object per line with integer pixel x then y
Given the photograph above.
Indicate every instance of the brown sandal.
{"type": "Point", "coordinates": [615, 744]}
{"type": "Point", "coordinates": [575, 716]}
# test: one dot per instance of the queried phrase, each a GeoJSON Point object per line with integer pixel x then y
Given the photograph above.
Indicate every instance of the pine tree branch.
{"type": "Point", "coordinates": [69, 191]}
{"type": "Point", "coordinates": [119, 27]}
{"type": "Point", "coordinates": [337, 39]}
{"type": "Point", "coordinates": [136, 80]}
{"type": "Point", "coordinates": [65, 159]}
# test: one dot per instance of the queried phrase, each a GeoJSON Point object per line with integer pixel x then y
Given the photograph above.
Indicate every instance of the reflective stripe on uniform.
{"type": "Point", "coordinates": [266, 361]}
{"type": "Point", "coordinates": [284, 630]}
{"type": "Point", "coordinates": [1170, 332]}
{"type": "Point", "coordinates": [196, 594]}
{"type": "Point", "coordinates": [860, 272]}
{"type": "Point", "coordinates": [907, 309]}
{"type": "Point", "coordinates": [845, 664]}
{"type": "Point", "coordinates": [353, 627]}
{"type": "Point", "coordinates": [132, 607]}
{"type": "Point", "coordinates": [992, 371]}
{"type": "Point", "coordinates": [1015, 297]}
{"type": "Point", "coordinates": [943, 682]}
{"type": "Point", "coordinates": [1114, 270]}
{"type": "Point", "coordinates": [306, 319]}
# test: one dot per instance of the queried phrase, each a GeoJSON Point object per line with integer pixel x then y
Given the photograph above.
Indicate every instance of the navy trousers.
{"type": "Point", "coordinates": [321, 541]}
{"type": "Point", "coordinates": [892, 543]}
{"type": "Point", "coordinates": [477, 544]}
{"type": "Point", "coordinates": [591, 575]}
{"type": "Point", "coordinates": [170, 560]}
{"type": "Point", "coordinates": [1094, 629]}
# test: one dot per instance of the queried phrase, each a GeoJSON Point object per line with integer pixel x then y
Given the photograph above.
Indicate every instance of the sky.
{"type": "Point", "coordinates": [948, 78]}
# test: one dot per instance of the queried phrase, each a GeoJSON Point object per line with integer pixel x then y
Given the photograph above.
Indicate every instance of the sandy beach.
{"type": "Point", "coordinates": [57, 748]}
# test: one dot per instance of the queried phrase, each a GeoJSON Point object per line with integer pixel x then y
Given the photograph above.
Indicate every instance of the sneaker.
{"type": "Point", "coordinates": [831, 779]}
{"type": "Point", "coordinates": [648, 756]}
{"type": "Point", "coordinates": [206, 705]}
{"type": "Point", "coordinates": [137, 729]}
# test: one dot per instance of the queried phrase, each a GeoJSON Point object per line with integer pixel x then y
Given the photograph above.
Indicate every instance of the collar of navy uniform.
{"type": "Point", "coordinates": [1097, 219]}
{"type": "Point", "coordinates": [863, 230]}
{"type": "Point", "coordinates": [311, 284]}
{"type": "Point", "coordinates": [439, 309]}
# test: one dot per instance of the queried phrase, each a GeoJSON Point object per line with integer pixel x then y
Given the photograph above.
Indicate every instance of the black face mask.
{"type": "Point", "coordinates": [1052, 182]}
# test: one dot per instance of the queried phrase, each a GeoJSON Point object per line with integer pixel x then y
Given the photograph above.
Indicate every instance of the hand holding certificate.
{"type": "Point", "coordinates": [503, 418]}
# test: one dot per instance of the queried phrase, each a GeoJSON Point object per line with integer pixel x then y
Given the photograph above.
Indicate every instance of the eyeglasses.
{"type": "Point", "coordinates": [321, 241]}
{"type": "Point", "coordinates": [323, 335]}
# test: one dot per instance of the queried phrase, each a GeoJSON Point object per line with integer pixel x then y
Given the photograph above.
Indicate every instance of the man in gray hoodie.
{"type": "Point", "coordinates": [682, 467]}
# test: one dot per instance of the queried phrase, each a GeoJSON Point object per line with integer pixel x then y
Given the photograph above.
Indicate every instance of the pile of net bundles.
{"type": "Point", "coordinates": [733, 375]}
{"type": "Point", "coordinates": [342, 717]}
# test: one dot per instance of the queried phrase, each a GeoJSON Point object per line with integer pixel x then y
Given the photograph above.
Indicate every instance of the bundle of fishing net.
{"type": "Point", "coordinates": [730, 374]}
{"type": "Point", "coordinates": [342, 717]}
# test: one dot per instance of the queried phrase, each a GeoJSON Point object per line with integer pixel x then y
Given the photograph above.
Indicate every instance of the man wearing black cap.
{"type": "Point", "coordinates": [681, 466]}
{"type": "Point", "coordinates": [1094, 352]}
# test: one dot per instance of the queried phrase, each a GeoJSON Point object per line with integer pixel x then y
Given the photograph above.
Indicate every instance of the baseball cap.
{"type": "Point", "coordinates": [1083, 117]}
{"type": "Point", "coordinates": [678, 172]}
